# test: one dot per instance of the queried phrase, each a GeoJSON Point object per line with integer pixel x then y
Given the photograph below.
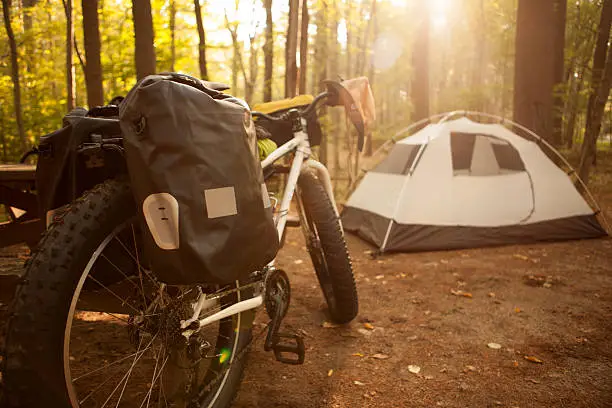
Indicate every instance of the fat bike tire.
{"type": "Point", "coordinates": [34, 363]}
{"type": "Point", "coordinates": [328, 250]}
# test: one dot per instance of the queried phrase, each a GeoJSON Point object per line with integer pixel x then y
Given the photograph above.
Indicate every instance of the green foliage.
{"type": "Point", "coordinates": [471, 54]}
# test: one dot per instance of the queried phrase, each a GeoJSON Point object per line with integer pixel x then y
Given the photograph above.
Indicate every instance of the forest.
{"type": "Point", "coordinates": [545, 63]}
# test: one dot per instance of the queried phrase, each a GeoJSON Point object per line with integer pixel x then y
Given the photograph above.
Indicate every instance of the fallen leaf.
{"type": "Point", "coordinates": [461, 293]}
{"type": "Point", "coordinates": [494, 346]}
{"type": "Point", "coordinates": [330, 372]}
{"type": "Point", "coordinates": [533, 359]}
{"type": "Point", "coordinates": [403, 275]}
{"type": "Point", "coordinates": [359, 383]}
{"type": "Point", "coordinates": [357, 355]}
{"type": "Point", "coordinates": [414, 369]}
{"type": "Point", "coordinates": [298, 261]}
{"type": "Point", "coordinates": [515, 363]}
{"type": "Point", "coordinates": [379, 356]}
{"type": "Point", "coordinates": [368, 326]}
{"type": "Point", "coordinates": [364, 332]}
{"type": "Point", "coordinates": [522, 257]}
{"type": "Point", "coordinates": [329, 325]}
{"type": "Point", "coordinates": [491, 294]}
{"type": "Point", "coordinates": [517, 310]}
{"type": "Point", "coordinates": [379, 276]}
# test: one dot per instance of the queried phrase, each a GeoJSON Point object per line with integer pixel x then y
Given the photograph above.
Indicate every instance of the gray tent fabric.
{"type": "Point", "coordinates": [463, 184]}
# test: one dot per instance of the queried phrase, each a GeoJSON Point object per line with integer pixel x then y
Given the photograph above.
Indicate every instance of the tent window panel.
{"type": "Point", "coordinates": [399, 160]}
{"type": "Point", "coordinates": [462, 149]}
{"type": "Point", "coordinates": [508, 157]}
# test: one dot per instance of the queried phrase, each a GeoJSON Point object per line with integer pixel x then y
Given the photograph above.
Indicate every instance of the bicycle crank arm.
{"type": "Point", "coordinates": [229, 311]}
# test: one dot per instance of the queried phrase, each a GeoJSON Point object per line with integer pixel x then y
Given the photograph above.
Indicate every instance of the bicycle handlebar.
{"type": "Point", "coordinates": [337, 95]}
{"type": "Point", "coordinates": [304, 112]}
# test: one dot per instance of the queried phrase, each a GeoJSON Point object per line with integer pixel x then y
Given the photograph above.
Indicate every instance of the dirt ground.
{"type": "Point", "coordinates": [426, 323]}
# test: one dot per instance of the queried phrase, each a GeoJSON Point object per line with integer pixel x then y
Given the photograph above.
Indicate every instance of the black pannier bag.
{"type": "Point", "coordinates": [192, 161]}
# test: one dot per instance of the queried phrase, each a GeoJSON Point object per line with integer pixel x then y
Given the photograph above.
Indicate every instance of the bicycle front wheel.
{"type": "Point", "coordinates": [328, 251]}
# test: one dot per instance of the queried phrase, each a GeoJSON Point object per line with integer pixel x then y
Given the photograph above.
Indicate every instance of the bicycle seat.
{"type": "Point", "coordinates": [283, 104]}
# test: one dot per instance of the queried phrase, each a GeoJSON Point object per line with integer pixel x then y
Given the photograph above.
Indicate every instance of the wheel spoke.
{"type": "Point", "coordinates": [106, 366]}
{"type": "Point", "coordinates": [123, 301]}
{"type": "Point", "coordinates": [138, 264]}
{"type": "Point", "coordinates": [125, 377]}
{"type": "Point", "coordinates": [119, 270]}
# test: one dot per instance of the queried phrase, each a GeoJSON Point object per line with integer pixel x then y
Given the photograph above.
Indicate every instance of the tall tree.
{"type": "Point", "coordinates": [70, 81]}
{"type": "Point", "coordinates": [420, 59]}
{"type": "Point", "coordinates": [91, 40]}
{"type": "Point", "coordinates": [268, 50]}
{"type": "Point", "coordinates": [304, 47]}
{"type": "Point", "coordinates": [535, 66]}
{"type": "Point", "coordinates": [172, 26]}
{"type": "Point", "coordinates": [144, 38]}
{"type": "Point", "coordinates": [367, 147]}
{"type": "Point", "coordinates": [6, 13]}
{"type": "Point", "coordinates": [202, 43]}
{"type": "Point", "coordinates": [27, 13]}
{"type": "Point", "coordinates": [600, 91]}
{"type": "Point", "coordinates": [560, 21]}
{"type": "Point", "coordinates": [291, 49]}
{"type": "Point", "coordinates": [321, 54]}
{"type": "Point", "coordinates": [238, 60]}
{"type": "Point", "coordinates": [27, 6]}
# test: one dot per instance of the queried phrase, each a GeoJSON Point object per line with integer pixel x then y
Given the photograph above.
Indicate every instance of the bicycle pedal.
{"type": "Point", "coordinates": [289, 344]}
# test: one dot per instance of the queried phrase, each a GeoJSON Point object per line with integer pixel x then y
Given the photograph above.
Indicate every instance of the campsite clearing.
{"type": "Point", "coordinates": [416, 343]}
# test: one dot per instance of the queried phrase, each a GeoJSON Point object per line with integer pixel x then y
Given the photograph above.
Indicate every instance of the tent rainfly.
{"type": "Point", "coordinates": [462, 184]}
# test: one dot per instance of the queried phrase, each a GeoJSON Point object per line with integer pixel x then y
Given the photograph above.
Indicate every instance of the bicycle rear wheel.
{"type": "Point", "coordinates": [92, 327]}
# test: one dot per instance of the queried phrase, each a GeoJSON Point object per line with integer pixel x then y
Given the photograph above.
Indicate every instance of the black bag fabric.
{"type": "Point", "coordinates": [63, 170]}
{"type": "Point", "coordinates": [192, 160]}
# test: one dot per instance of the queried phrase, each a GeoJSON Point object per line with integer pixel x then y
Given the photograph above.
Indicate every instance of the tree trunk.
{"type": "Point", "coordinates": [268, 50]}
{"type": "Point", "coordinates": [291, 49]}
{"type": "Point", "coordinates": [478, 69]}
{"type": "Point", "coordinates": [6, 12]}
{"type": "Point", "coordinates": [332, 70]}
{"type": "Point", "coordinates": [144, 38]}
{"type": "Point", "coordinates": [368, 146]}
{"type": "Point", "coordinates": [321, 55]}
{"type": "Point", "coordinates": [600, 90]}
{"type": "Point", "coordinates": [202, 43]}
{"type": "Point", "coordinates": [91, 41]}
{"type": "Point", "coordinates": [572, 102]}
{"type": "Point", "coordinates": [535, 66]}
{"type": "Point", "coordinates": [172, 25]}
{"type": "Point", "coordinates": [304, 47]}
{"type": "Point", "coordinates": [349, 41]}
{"type": "Point", "coordinates": [27, 13]}
{"type": "Point", "coordinates": [420, 83]}
{"type": "Point", "coordinates": [27, 6]}
{"type": "Point", "coordinates": [560, 17]}
{"type": "Point", "coordinates": [70, 83]}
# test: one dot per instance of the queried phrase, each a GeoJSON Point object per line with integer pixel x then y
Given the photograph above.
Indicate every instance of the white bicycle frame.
{"type": "Point", "coordinates": [300, 146]}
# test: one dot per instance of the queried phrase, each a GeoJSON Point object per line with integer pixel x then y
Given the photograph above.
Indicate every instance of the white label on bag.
{"type": "Point", "coordinates": [161, 211]}
{"type": "Point", "coordinates": [220, 202]}
{"type": "Point", "coordinates": [265, 196]}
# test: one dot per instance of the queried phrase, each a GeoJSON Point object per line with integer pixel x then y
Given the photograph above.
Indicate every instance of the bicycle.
{"type": "Point", "coordinates": [87, 284]}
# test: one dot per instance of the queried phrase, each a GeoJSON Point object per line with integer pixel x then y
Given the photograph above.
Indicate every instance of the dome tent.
{"type": "Point", "coordinates": [457, 183]}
